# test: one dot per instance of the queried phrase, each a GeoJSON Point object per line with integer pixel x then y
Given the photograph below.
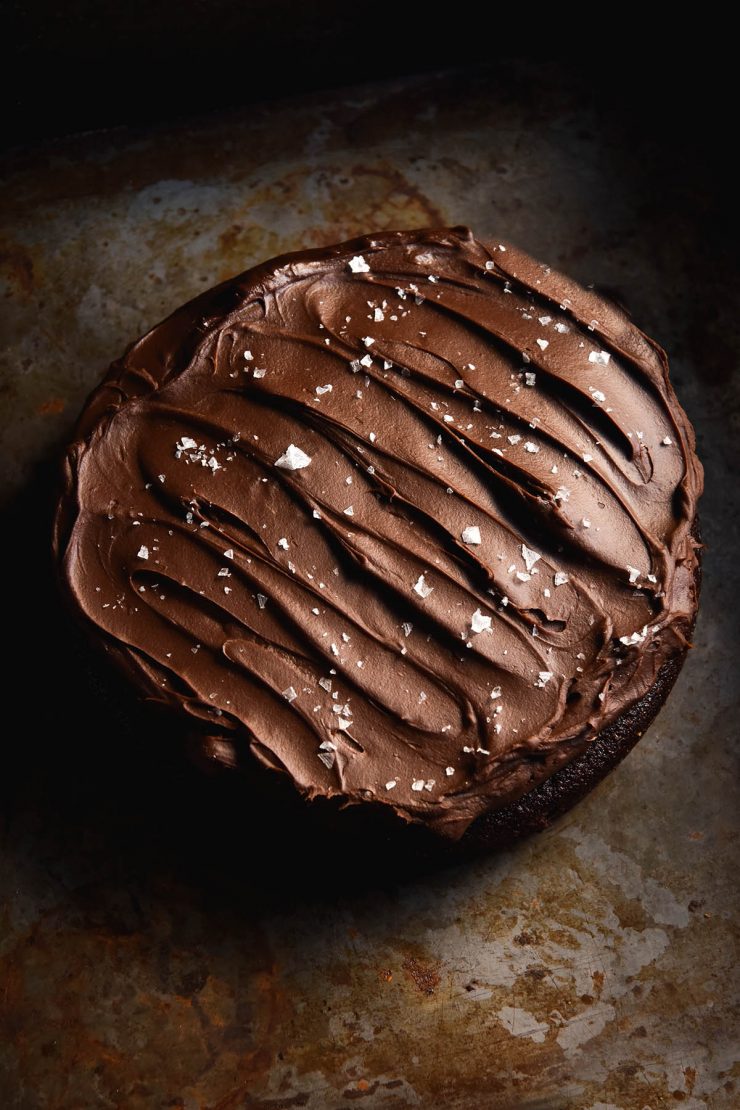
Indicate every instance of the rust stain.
{"type": "Point", "coordinates": [361, 1089]}
{"type": "Point", "coordinates": [52, 407]}
{"type": "Point", "coordinates": [19, 266]}
{"type": "Point", "coordinates": [424, 976]}
{"type": "Point", "coordinates": [524, 938]}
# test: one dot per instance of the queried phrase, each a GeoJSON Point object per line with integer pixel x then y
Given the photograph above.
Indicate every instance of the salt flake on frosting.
{"type": "Point", "coordinates": [543, 677]}
{"type": "Point", "coordinates": [143, 552]}
{"type": "Point", "coordinates": [358, 265]}
{"type": "Point", "coordinates": [471, 534]}
{"type": "Point", "coordinates": [479, 622]}
{"type": "Point", "coordinates": [421, 588]}
{"type": "Point", "coordinates": [543, 344]}
{"type": "Point", "coordinates": [635, 638]}
{"type": "Point", "coordinates": [293, 459]}
{"type": "Point", "coordinates": [289, 694]}
{"type": "Point", "coordinates": [560, 578]}
{"type": "Point", "coordinates": [633, 573]}
{"type": "Point", "coordinates": [601, 358]}
{"type": "Point", "coordinates": [530, 557]}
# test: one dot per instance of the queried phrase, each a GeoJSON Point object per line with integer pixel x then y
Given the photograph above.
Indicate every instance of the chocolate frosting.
{"type": "Point", "coordinates": [409, 518]}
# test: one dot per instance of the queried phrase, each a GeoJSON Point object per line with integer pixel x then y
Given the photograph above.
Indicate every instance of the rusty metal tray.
{"type": "Point", "coordinates": [149, 957]}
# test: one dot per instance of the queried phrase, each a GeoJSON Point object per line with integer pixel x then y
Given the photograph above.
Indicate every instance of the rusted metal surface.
{"type": "Point", "coordinates": [148, 959]}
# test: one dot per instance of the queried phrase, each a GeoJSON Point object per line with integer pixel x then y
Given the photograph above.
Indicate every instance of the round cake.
{"type": "Point", "coordinates": [408, 522]}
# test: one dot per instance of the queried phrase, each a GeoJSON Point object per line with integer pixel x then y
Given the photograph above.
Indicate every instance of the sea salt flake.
{"type": "Point", "coordinates": [248, 356]}
{"type": "Point", "coordinates": [355, 365]}
{"type": "Point", "coordinates": [543, 344]}
{"type": "Point", "coordinates": [523, 576]}
{"type": "Point", "coordinates": [530, 378]}
{"type": "Point", "coordinates": [635, 638]}
{"type": "Point", "coordinates": [378, 315]}
{"type": "Point", "coordinates": [429, 784]}
{"type": "Point", "coordinates": [586, 522]}
{"type": "Point", "coordinates": [597, 395]}
{"type": "Point", "coordinates": [543, 677]}
{"type": "Point", "coordinates": [143, 552]}
{"type": "Point", "coordinates": [366, 360]}
{"type": "Point", "coordinates": [495, 693]}
{"type": "Point", "coordinates": [531, 447]}
{"type": "Point", "coordinates": [261, 600]}
{"type": "Point", "coordinates": [349, 511]}
{"type": "Point", "coordinates": [479, 622]}
{"type": "Point", "coordinates": [368, 340]}
{"type": "Point", "coordinates": [391, 784]}
{"type": "Point", "coordinates": [513, 440]}
{"type": "Point", "coordinates": [449, 771]}
{"type": "Point", "coordinates": [289, 694]}
{"type": "Point", "coordinates": [229, 553]}
{"type": "Point", "coordinates": [358, 265]}
{"type": "Point", "coordinates": [666, 441]}
{"type": "Point", "coordinates": [530, 557]}
{"type": "Point", "coordinates": [417, 785]}
{"type": "Point", "coordinates": [561, 494]}
{"type": "Point", "coordinates": [260, 371]}
{"type": "Point", "coordinates": [633, 573]}
{"type": "Point", "coordinates": [322, 389]}
{"type": "Point", "coordinates": [407, 627]}
{"type": "Point", "coordinates": [563, 329]}
{"type": "Point", "coordinates": [421, 588]}
{"type": "Point", "coordinates": [600, 358]}
{"type": "Point", "coordinates": [325, 684]}
{"type": "Point", "coordinates": [471, 534]}
{"type": "Point", "coordinates": [282, 542]}
{"type": "Point", "coordinates": [560, 578]}
{"type": "Point", "coordinates": [293, 459]}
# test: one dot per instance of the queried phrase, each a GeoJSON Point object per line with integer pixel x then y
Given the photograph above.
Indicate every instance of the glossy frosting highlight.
{"type": "Point", "coordinates": [409, 517]}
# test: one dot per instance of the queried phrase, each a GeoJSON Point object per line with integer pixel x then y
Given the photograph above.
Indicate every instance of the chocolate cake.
{"type": "Point", "coordinates": [409, 522]}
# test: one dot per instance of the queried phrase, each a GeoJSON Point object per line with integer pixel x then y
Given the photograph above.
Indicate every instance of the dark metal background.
{"type": "Point", "coordinates": [158, 949]}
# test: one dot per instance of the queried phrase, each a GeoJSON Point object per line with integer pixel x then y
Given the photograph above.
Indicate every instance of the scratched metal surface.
{"type": "Point", "coordinates": [148, 956]}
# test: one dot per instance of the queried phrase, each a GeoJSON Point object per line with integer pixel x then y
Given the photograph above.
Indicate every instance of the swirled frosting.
{"type": "Point", "coordinates": [409, 518]}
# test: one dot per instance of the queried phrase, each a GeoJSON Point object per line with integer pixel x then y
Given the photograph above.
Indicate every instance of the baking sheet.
{"type": "Point", "coordinates": [148, 957]}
